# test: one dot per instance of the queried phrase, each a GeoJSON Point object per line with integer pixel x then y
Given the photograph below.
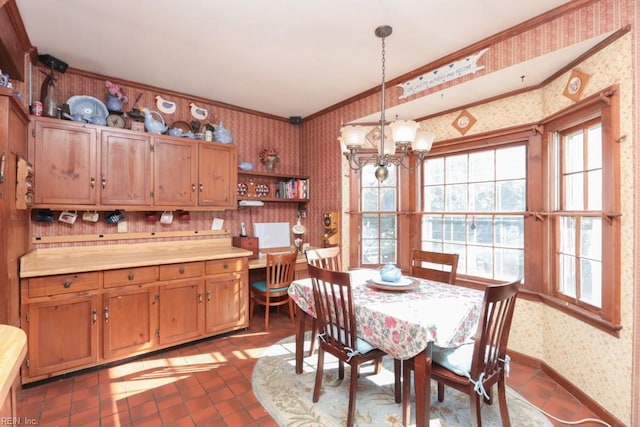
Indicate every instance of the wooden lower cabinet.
{"type": "Point", "coordinates": [115, 314]}
{"type": "Point", "coordinates": [226, 303]}
{"type": "Point", "coordinates": [130, 321]}
{"type": "Point", "coordinates": [62, 334]}
{"type": "Point", "coordinates": [181, 311]}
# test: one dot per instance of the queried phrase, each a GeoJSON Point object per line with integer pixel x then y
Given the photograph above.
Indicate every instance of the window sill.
{"type": "Point", "coordinates": [573, 311]}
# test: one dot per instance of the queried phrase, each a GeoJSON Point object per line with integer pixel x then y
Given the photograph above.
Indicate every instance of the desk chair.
{"type": "Point", "coordinates": [272, 292]}
{"type": "Point", "coordinates": [337, 320]}
{"type": "Point", "coordinates": [422, 265]}
{"type": "Point", "coordinates": [328, 259]}
{"type": "Point", "coordinates": [474, 367]}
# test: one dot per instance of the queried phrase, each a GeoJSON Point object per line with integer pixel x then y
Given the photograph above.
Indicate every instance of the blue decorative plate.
{"type": "Point", "coordinates": [87, 106]}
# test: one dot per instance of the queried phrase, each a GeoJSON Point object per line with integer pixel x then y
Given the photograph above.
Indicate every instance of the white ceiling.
{"type": "Point", "coordinates": [282, 57]}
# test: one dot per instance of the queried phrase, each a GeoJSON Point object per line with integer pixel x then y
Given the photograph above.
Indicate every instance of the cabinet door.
{"type": "Point", "coordinates": [125, 173]}
{"type": "Point", "coordinates": [175, 172]}
{"type": "Point", "coordinates": [62, 334]}
{"type": "Point", "coordinates": [65, 164]}
{"type": "Point", "coordinates": [181, 311]}
{"type": "Point", "coordinates": [217, 174]}
{"type": "Point", "coordinates": [227, 303]}
{"type": "Point", "coordinates": [130, 319]}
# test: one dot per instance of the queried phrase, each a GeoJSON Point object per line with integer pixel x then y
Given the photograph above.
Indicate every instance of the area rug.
{"type": "Point", "coordinates": [288, 397]}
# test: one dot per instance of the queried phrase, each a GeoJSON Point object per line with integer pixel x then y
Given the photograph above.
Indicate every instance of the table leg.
{"type": "Point", "coordinates": [302, 315]}
{"type": "Point", "coordinates": [422, 376]}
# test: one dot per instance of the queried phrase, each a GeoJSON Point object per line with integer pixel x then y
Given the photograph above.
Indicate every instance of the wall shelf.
{"type": "Point", "coordinates": [272, 187]}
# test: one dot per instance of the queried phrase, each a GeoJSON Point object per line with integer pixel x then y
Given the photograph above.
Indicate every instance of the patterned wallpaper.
{"type": "Point", "coordinates": [575, 349]}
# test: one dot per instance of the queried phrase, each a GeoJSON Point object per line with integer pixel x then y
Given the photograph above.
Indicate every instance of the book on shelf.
{"type": "Point", "coordinates": [294, 188]}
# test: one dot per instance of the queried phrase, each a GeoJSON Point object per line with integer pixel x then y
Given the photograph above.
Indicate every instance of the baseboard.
{"type": "Point", "coordinates": [594, 406]}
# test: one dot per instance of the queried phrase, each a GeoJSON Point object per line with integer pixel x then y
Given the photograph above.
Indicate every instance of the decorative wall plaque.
{"type": "Point", "coordinates": [575, 85]}
{"type": "Point", "coordinates": [463, 122]}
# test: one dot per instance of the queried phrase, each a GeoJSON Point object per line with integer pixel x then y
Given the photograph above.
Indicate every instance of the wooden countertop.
{"type": "Point", "coordinates": [65, 260]}
{"type": "Point", "coordinates": [13, 348]}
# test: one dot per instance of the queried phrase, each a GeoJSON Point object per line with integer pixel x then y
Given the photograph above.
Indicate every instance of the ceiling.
{"type": "Point", "coordinates": [283, 57]}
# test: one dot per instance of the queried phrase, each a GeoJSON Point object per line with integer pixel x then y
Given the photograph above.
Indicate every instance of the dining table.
{"type": "Point", "coordinates": [403, 321]}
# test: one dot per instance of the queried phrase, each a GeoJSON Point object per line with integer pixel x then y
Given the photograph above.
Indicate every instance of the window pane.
{"type": "Point", "coordinates": [433, 171]}
{"type": "Point", "coordinates": [456, 198]}
{"type": "Point", "coordinates": [368, 178]}
{"type": "Point", "coordinates": [567, 277]}
{"type": "Point", "coordinates": [591, 282]}
{"type": "Point", "coordinates": [509, 264]}
{"type": "Point", "coordinates": [387, 226]}
{"type": "Point", "coordinates": [454, 229]}
{"type": "Point", "coordinates": [388, 199]}
{"type": "Point", "coordinates": [370, 228]}
{"type": "Point", "coordinates": [434, 198]}
{"type": "Point", "coordinates": [510, 231]}
{"type": "Point", "coordinates": [594, 183]}
{"type": "Point", "coordinates": [573, 153]}
{"type": "Point", "coordinates": [568, 235]}
{"type": "Point", "coordinates": [512, 196]}
{"type": "Point", "coordinates": [591, 238]}
{"type": "Point", "coordinates": [481, 229]}
{"type": "Point", "coordinates": [479, 261]}
{"type": "Point", "coordinates": [482, 197]}
{"type": "Point", "coordinates": [391, 180]}
{"type": "Point", "coordinates": [370, 254]}
{"type": "Point", "coordinates": [573, 194]}
{"type": "Point", "coordinates": [481, 166]}
{"type": "Point", "coordinates": [511, 163]}
{"type": "Point", "coordinates": [456, 169]}
{"type": "Point", "coordinates": [369, 199]}
{"type": "Point", "coordinates": [594, 146]}
{"type": "Point", "coordinates": [388, 251]}
{"type": "Point", "coordinates": [432, 227]}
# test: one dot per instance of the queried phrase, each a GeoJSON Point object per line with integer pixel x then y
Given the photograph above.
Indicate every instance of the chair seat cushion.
{"type": "Point", "coordinates": [457, 359]}
{"type": "Point", "coordinates": [261, 285]}
{"type": "Point", "coordinates": [362, 346]}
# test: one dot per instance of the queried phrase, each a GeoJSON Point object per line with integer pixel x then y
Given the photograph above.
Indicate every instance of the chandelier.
{"type": "Point", "coordinates": [407, 139]}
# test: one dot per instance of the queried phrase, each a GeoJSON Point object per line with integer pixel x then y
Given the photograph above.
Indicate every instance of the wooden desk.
{"type": "Point", "coordinates": [256, 267]}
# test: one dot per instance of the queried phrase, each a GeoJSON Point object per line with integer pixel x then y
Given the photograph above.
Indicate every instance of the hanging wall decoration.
{"type": "Point", "coordinates": [165, 106]}
{"type": "Point", "coordinates": [463, 122]}
{"type": "Point", "coordinates": [576, 85]}
{"type": "Point", "coordinates": [198, 113]}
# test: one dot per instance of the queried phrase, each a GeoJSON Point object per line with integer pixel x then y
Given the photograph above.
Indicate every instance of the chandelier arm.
{"type": "Point", "coordinates": [356, 163]}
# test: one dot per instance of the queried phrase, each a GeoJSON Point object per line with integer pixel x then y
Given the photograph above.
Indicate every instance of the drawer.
{"type": "Point", "coordinates": [181, 271]}
{"type": "Point", "coordinates": [63, 284]}
{"type": "Point", "coordinates": [228, 265]}
{"type": "Point", "coordinates": [130, 276]}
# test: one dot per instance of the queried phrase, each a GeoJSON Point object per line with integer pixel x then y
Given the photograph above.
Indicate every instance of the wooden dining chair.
{"type": "Point", "coordinates": [438, 266]}
{"type": "Point", "coordinates": [334, 306]}
{"type": "Point", "coordinates": [328, 259]}
{"type": "Point", "coordinates": [272, 292]}
{"type": "Point", "coordinates": [473, 368]}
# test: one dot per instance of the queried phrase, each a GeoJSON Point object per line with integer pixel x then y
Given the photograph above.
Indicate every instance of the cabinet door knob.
{"type": "Point", "coordinates": [200, 297]}
{"type": "Point", "coordinates": [193, 188]}
{"type": "Point", "coordinates": [201, 187]}
{"type": "Point", "coordinates": [225, 265]}
{"type": "Point", "coordinates": [94, 316]}
{"type": "Point", "coordinates": [130, 276]}
{"type": "Point", "coordinates": [104, 182]}
{"type": "Point", "coordinates": [181, 270]}
{"type": "Point", "coordinates": [106, 314]}
{"type": "Point", "coordinates": [93, 182]}
{"type": "Point", "coordinates": [208, 296]}
{"type": "Point", "coordinates": [66, 284]}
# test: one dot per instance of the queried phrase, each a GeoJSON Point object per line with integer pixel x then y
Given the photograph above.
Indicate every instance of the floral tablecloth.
{"type": "Point", "coordinates": [402, 323]}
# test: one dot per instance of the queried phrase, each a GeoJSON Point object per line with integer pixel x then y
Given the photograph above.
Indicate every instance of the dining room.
{"type": "Point", "coordinates": [531, 181]}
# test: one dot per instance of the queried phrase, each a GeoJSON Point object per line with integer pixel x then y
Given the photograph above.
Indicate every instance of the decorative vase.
{"type": "Point", "coordinates": [113, 103]}
{"type": "Point", "coordinates": [270, 162]}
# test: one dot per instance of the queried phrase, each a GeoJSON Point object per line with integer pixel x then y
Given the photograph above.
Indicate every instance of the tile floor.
{"type": "Point", "coordinates": [209, 384]}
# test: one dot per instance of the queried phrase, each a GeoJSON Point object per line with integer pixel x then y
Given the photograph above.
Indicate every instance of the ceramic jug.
{"type": "Point", "coordinates": [390, 273]}
{"type": "Point", "coordinates": [152, 125]}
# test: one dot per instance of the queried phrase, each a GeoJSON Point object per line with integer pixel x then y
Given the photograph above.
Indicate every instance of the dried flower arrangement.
{"type": "Point", "coordinates": [269, 154]}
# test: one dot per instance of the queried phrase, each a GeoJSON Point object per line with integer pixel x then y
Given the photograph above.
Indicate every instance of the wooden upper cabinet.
{"type": "Point", "coordinates": [175, 172]}
{"type": "Point", "coordinates": [217, 175]}
{"type": "Point", "coordinates": [65, 163]}
{"type": "Point", "coordinates": [126, 173]}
